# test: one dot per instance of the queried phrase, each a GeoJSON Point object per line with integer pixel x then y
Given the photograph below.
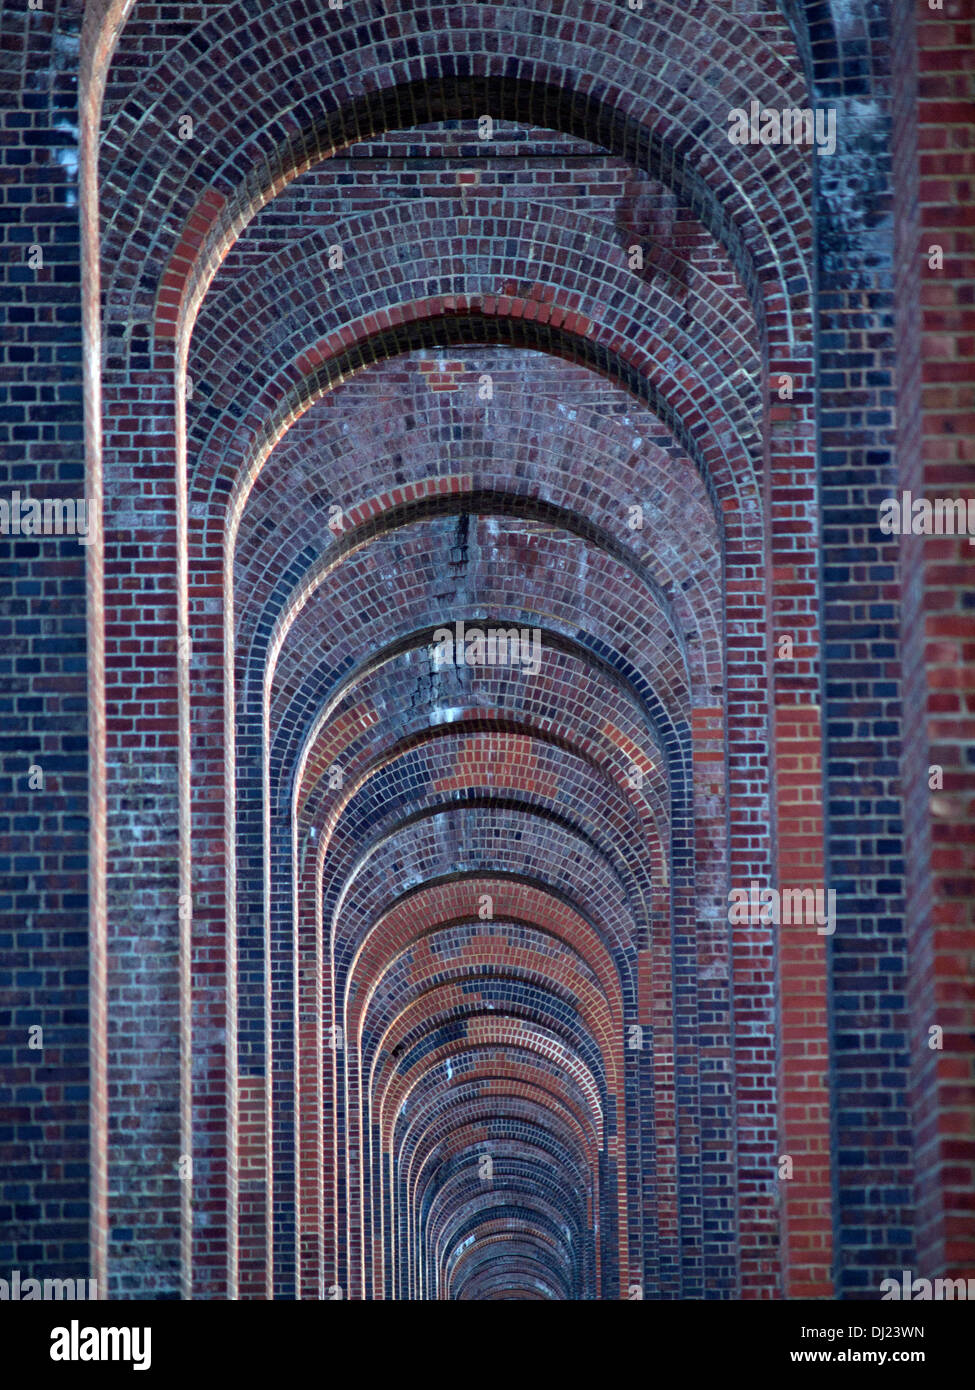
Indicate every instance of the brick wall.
{"type": "Point", "coordinates": [933, 165]}
{"type": "Point", "coordinates": [44, 1157]}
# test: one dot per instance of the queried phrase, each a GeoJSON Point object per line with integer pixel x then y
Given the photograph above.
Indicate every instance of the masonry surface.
{"type": "Point", "coordinates": [332, 969]}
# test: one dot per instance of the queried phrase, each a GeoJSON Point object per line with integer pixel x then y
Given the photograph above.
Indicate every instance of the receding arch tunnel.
{"type": "Point", "coordinates": [410, 972]}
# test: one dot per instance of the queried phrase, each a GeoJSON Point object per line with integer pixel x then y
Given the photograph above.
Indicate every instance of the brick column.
{"type": "Point", "coordinates": [934, 165]}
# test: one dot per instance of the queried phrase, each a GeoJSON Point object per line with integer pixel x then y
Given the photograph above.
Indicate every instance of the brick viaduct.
{"type": "Point", "coordinates": [361, 975]}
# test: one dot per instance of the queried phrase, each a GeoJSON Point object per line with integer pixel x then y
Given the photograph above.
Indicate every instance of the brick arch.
{"type": "Point", "coordinates": [527, 1282]}
{"type": "Point", "coordinates": [456, 1222]}
{"type": "Point", "coordinates": [442, 1003]}
{"type": "Point", "coordinates": [440, 904]}
{"type": "Point", "coordinates": [508, 894]}
{"type": "Point", "coordinates": [479, 1251]}
{"type": "Point", "coordinates": [533, 1239]}
{"type": "Point", "coordinates": [569, 97]}
{"type": "Point", "coordinates": [500, 1122]}
{"type": "Point", "coordinates": [530, 1281]}
{"type": "Point", "coordinates": [536, 321]}
{"type": "Point", "coordinates": [644, 806]}
{"type": "Point", "coordinates": [538, 1106]}
{"type": "Point", "coordinates": [522, 1104]}
{"type": "Point", "coordinates": [317, 743]}
{"type": "Point", "coordinates": [545, 1089]}
{"type": "Point", "coordinates": [323, 842]}
{"type": "Point", "coordinates": [667, 688]}
{"type": "Point", "coordinates": [684, 270]}
{"type": "Point", "coordinates": [293, 684]}
{"type": "Point", "coordinates": [529, 1214]}
{"type": "Point", "coordinates": [475, 1214]}
{"type": "Point", "coordinates": [432, 1008]}
{"type": "Point", "coordinates": [458, 764]}
{"type": "Point", "coordinates": [437, 1015]}
{"type": "Point", "coordinates": [529, 812]}
{"type": "Point", "coordinates": [565, 270]}
{"type": "Point", "coordinates": [309, 714]}
{"type": "Point", "coordinates": [518, 1042]}
{"type": "Point", "coordinates": [353, 914]}
{"type": "Point", "coordinates": [318, 462]}
{"type": "Point", "coordinates": [411, 919]}
{"type": "Point", "coordinates": [379, 1026]}
{"type": "Point", "coordinates": [541, 1093]}
{"type": "Point", "coordinates": [333, 749]}
{"type": "Point", "coordinates": [403, 852]}
{"type": "Point", "coordinates": [494, 1039]}
{"type": "Point", "coordinates": [536, 806]}
{"type": "Point", "coordinates": [493, 730]}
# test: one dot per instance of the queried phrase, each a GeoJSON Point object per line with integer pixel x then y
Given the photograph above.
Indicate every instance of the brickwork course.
{"type": "Point", "coordinates": [332, 969]}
